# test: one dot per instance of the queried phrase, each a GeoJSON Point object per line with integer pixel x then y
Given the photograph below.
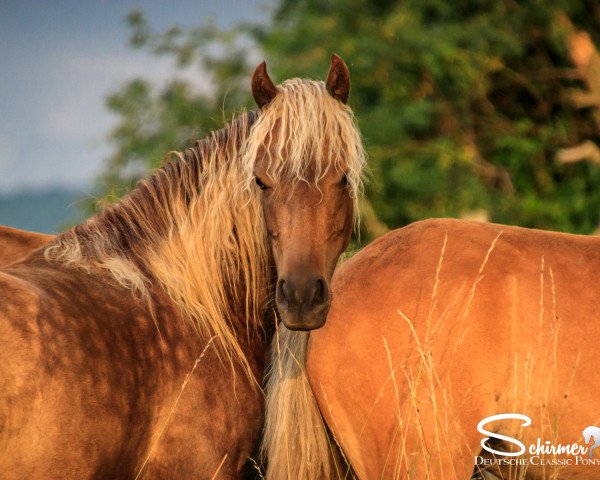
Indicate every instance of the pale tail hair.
{"type": "Point", "coordinates": [296, 444]}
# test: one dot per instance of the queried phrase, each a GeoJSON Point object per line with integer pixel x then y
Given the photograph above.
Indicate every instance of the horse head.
{"type": "Point", "coordinates": [307, 159]}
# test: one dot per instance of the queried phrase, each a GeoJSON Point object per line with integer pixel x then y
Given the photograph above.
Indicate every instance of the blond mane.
{"type": "Point", "coordinates": [195, 226]}
{"type": "Point", "coordinates": [315, 133]}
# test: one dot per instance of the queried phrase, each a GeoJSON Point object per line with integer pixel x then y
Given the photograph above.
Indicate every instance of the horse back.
{"type": "Point", "coordinates": [15, 243]}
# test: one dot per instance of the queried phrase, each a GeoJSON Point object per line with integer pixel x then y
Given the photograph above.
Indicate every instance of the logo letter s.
{"type": "Point", "coordinates": [503, 416]}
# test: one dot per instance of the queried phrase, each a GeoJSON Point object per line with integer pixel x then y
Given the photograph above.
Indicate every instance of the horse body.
{"type": "Point", "coordinates": [443, 323]}
{"type": "Point", "coordinates": [93, 383]}
{"type": "Point", "coordinates": [15, 243]}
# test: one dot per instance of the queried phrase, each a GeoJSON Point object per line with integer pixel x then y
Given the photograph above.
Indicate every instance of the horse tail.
{"type": "Point", "coordinates": [295, 442]}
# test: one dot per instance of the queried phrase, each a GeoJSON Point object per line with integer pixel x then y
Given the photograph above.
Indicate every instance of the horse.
{"type": "Point", "coordinates": [435, 330]}
{"type": "Point", "coordinates": [15, 243]}
{"type": "Point", "coordinates": [133, 345]}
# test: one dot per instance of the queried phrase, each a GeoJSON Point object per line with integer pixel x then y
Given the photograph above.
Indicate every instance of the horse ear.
{"type": "Point", "coordinates": [338, 79]}
{"type": "Point", "coordinates": [263, 88]}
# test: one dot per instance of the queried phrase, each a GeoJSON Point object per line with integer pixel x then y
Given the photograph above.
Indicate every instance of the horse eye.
{"type": "Point", "coordinates": [260, 184]}
{"type": "Point", "coordinates": [344, 181]}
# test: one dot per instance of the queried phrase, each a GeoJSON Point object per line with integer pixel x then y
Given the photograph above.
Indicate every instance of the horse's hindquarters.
{"type": "Point", "coordinates": [438, 326]}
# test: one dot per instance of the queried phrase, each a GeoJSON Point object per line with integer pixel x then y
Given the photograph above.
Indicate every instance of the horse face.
{"type": "Point", "coordinates": [309, 226]}
{"type": "Point", "coordinates": [307, 203]}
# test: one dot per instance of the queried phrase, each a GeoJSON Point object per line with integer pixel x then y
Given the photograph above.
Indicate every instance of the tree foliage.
{"type": "Point", "coordinates": [463, 105]}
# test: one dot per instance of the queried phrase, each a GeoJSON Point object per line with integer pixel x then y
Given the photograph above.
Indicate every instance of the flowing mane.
{"type": "Point", "coordinates": [195, 226]}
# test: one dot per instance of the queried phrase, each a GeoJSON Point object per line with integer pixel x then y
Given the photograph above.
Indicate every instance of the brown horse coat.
{"type": "Point", "coordinates": [15, 243]}
{"type": "Point", "coordinates": [89, 382]}
{"type": "Point", "coordinates": [442, 323]}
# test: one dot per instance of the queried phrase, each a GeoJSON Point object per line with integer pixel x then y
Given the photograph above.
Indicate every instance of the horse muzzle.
{"type": "Point", "coordinates": [303, 302]}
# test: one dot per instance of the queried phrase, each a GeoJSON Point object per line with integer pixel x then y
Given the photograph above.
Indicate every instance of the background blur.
{"type": "Point", "coordinates": [469, 108]}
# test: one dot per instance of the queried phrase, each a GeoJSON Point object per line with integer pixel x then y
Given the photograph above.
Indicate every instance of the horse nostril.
{"type": "Point", "coordinates": [321, 294]}
{"type": "Point", "coordinates": [287, 291]}
{"type": "Point", "coordinates": [283, 293]}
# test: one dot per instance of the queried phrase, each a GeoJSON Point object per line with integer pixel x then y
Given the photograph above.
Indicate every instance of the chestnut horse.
{"type": "Point", "coordinates": [15, 243]}
{"type": "Point", "coordinates": [133, 345]}
{"type": "Point", "coordinates": [436, 327]}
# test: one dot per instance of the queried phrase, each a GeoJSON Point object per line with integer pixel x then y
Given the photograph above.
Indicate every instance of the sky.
{"type": "Point", "coordinates": [58, 61]}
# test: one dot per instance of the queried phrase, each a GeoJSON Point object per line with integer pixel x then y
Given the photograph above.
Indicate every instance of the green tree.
{"type": "Point", "coordinates": [463, 105]}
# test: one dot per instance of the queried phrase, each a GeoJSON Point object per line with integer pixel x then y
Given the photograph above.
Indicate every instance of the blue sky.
{"type": "Point", "coordinates": [58, 61]}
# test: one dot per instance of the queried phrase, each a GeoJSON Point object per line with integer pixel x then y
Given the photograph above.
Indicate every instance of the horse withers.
{"type": "Point", "coordinates": [440, 327]}
{"type": "Point", "coordinates": [133, 345]}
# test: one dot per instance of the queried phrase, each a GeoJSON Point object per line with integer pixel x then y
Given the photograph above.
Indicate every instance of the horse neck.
{"type": "Point", "coordinates": [194, 230]}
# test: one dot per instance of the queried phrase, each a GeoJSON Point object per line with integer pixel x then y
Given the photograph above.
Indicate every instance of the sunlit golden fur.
{"type": "Point", "coordinates": [195, 227]}
{"type": "Point", "coordinates": [394, 371]}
